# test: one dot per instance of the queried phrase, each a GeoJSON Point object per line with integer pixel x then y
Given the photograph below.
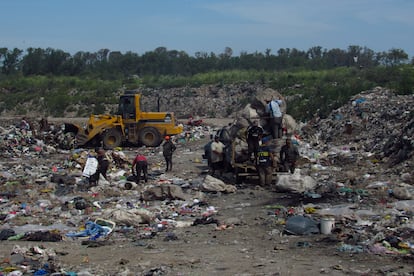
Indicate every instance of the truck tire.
{"type": "Point", "coordinates": [112, 138]}
{"type": "Point", "coordinates": [150, 137]}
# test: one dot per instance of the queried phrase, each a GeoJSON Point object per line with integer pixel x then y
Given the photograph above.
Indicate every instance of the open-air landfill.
{"type": "Point", "coordinates": [350, 200]}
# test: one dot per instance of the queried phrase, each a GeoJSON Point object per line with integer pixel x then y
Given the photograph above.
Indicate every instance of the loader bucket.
{"type": "Point", "coordinates": [79, 133]}
{"type": "Point", "coordinates": [71, 128]}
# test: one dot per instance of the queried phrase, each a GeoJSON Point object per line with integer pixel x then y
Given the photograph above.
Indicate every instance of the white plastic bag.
{"type": "Point", "coordinates": [91, 166]}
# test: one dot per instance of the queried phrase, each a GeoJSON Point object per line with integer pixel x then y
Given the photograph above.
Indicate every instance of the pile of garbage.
{"type": "Point", "coordinates": [354, 182]}
{"type": "Point", "coordinates": [377, 121]}
{"type": "Point", "coordinates": [361, 160]}
{"type": "Point", "coordinates": [40, 180]}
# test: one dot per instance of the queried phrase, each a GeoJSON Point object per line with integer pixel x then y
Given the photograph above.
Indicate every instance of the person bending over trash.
{"type": "Point", "coordinates": [288, 155]}
{"type": "Point", "coordinates": [139, 167]}
{"type": "Point", "coordinates": [103, 165]}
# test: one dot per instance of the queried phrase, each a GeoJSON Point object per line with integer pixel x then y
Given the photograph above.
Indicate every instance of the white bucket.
{"type": "Point", "coordinates": [327, 224]}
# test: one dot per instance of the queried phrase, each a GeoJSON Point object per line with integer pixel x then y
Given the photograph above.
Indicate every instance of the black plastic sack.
{"type": "Point", "coordinates": [6, 233]}
{"type": "Point", "coordinates": [300, 225]}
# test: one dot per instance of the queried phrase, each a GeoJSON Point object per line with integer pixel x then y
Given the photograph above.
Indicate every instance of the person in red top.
{"type": "Point", "coordinates": [140, 165]}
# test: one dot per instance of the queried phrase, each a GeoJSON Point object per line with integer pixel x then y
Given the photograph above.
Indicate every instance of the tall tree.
{"type": "Point", "coordinates": [55, 61]}
{"type": "Point", "coordinates": [33, 62]}
{"type": "Point", "coordinates": [395, 57]}
{"type": "Point", "coordinates": [335, 57]}
{"type": "Point", "coordinates": [354, 54]}
{"type": "Point", "coordinates": [11, 61]}
{"type": "Point", "coordinates": [315, 55]}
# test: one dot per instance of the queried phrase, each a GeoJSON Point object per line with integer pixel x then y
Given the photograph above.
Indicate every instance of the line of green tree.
{"type": "Point", "coordinates": [315, 81]}
{"type": "Point", "coordinates": [107, 64]}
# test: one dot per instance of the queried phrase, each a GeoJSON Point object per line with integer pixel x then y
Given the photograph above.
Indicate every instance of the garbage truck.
{"type": "Point", "coordinates": [236, 157]}
{"type": "Point", "coordinates": [129, 125]}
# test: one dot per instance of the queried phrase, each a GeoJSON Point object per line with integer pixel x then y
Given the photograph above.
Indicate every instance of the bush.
{"type": "Point", "coordinates": [320, 91]}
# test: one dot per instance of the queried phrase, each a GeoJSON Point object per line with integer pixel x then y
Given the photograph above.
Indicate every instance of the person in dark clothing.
{"type": "Point", "coordinates": [207, 153]}
{"type": "Point", "coordinates": [43, 125]}
{"type": "Point", "coordinates": [254, 135]}
{"type": "Point", "coordinates": [139, 167]}
{"type": "Point", "coordinates": [168, 149]}
{"type": "Point", "coordinates": [103, 165]}
{"type": "Point", "coordinates": [217, 156]}
{"type": "Point", "coordinates": [288, 155]}
{"type": "Point", "coordinates": [264, 163]}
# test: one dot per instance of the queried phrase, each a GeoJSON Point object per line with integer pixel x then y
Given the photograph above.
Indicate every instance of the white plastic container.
{"type": "Point", "coordinates": [327, 224]}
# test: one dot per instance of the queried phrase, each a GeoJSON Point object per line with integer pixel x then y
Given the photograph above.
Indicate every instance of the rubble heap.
{"type": "Point", "coordinates": [376, 121]}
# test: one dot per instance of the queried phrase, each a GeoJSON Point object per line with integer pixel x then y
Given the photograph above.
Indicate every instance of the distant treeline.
{"type": "Point", "coordinates": [54, 83]}
{"type": "Point", "coordinates": [109, 65]}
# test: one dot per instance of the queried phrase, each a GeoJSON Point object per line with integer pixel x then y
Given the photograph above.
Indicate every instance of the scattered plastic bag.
{"type": "Point", "coordinates": [92, 230]}
{"type": "Point", "coordinates": [300, 225]}
{"type": "Point", "coordinates": [350, 248]}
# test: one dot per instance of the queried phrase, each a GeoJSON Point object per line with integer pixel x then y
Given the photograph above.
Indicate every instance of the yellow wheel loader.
{"type": "Point", "coordinates": [130, 125]}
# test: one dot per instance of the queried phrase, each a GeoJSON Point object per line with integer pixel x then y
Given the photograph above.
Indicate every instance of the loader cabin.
{"type": "Point", "coordinates": [130, 110]}
{"type": "Point", "coordinates": [128, 105]}
{"type": "Point", "coordinates": [147, 128]}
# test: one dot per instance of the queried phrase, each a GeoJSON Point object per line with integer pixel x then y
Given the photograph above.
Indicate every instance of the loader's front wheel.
{"type": "Point", "coordinates": [112, 138]}
{"type": "Point", "coordinates": [150, 137]}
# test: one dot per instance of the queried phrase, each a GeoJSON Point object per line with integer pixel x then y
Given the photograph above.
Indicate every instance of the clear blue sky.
{"type": "Point", "coordinates": [206, 25]}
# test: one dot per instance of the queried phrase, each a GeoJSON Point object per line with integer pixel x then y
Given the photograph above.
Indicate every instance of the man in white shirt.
{"type": "Point", "coordinates": [275, 117]}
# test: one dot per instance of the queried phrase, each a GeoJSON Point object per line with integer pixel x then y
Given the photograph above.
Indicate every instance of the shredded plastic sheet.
{"type": "Point", "coordinates": [92, 230]}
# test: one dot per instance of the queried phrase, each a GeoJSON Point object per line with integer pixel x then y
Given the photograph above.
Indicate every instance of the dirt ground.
{"type": "Point", "coordinates": [250, 241]}
{"type": "Point", "coordinates": [255, 247]}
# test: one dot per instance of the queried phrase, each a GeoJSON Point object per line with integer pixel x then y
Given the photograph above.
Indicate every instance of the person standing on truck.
{"type": "Point", "coordinates": [254, 135]}
{"type": "Point", "coordinates": [217, 156]}
{"type": "Point", "coordinates": [139, 167]}
{"type": "Point", "coordinates": [168, 149]}
{"type": "Point", "coordinates": [275, 117]}
{"type": "Point", "coordinates": [264, 164]}
{"type": "Point", "coordinates": [288, 155]}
